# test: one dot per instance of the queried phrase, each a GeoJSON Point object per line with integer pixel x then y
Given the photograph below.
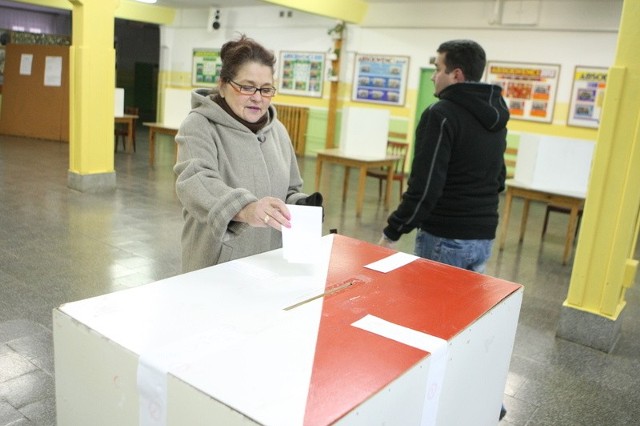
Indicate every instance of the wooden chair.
{"type": "Point", "coordinates": [553, 208]}
{"type": "Point", "coordinates": [121, 131]}
{"type": "Point", "coordinates": [393, 148]}
{"type": "Point", "coordinates": [510, 157]}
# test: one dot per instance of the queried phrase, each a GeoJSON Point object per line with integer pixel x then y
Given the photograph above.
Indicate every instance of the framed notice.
{"type": "Point", "coordinates": [529, 89]}
{"type": "Point", "coordinates": [587, 95]}
{"type": "Point", "coordinates": [380, 79]}
{"type": "Point", "coordinates": [206, 67]}
{"type": "Point", "coordinates": [301, 73]}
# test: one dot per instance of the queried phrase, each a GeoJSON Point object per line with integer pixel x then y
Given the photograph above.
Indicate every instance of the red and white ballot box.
{"type": "Point", "coordinates": [362, 336]}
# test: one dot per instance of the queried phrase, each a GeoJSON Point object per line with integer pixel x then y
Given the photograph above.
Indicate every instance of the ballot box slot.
{"type": "Point", "coordinates": [333, 289]}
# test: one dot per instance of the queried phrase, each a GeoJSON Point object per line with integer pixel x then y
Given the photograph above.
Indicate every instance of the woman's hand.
{"type": "Point", "coordinates": [267, 211]}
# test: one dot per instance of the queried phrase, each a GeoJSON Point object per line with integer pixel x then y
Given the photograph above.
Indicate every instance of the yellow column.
{"type": "Point", "coordinates": [92, 84]}
{"type": "Point", "coordinates": [603, 267]}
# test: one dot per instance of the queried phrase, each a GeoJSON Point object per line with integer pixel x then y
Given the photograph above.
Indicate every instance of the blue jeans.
{"type": "Point", "coordinates": [467, 254]}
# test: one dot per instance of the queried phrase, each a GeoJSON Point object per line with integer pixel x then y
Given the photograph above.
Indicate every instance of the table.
{"type": "Point", "coordinates": [162, 129]}
{"type": "Point", "coordinates": [261, 341]}
{"type": "Point", "coordinates": [336, 156]}
{"type": "Point", "coordinates": [127, 119]}
{"type": "Point", "coordinates": [572, 201]}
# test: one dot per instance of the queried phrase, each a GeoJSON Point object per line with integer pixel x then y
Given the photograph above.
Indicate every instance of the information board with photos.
{"type": "Point", "coordinates": [380, 79]}
{"type": "Point", "coordinates": [529, 89]}
{"type": "Point", "coordinates": [587, 96]}
{"type": "Point", "coordinates": [301, 73]}
{"type": "Point", "coordinates": [206, 67]}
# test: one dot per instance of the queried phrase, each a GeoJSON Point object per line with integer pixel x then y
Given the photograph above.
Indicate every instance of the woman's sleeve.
{"type": "Point", "coordinates": [199, 185]}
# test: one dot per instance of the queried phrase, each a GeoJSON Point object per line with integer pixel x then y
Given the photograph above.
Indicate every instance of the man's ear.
{"type": "Point", "coordinates": [458, 75]}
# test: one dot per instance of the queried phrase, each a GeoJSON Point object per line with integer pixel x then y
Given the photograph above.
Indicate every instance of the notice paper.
{"type": "Point", "coordinates": [26, 60]}
{"type": "Point", "coordinates": [53, 71]}
{"type": "Point", "coordinates": [301, 242]}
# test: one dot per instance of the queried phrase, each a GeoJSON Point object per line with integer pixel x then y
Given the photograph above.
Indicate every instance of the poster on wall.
{"type": "Point", "coordinates": [380, 79]}
{"type": "Point", "coordinates": [529, 89]}
{"type": "Point", "coordinates": [301, 73]}
{"type": "Point", "coordinates": [587, 95]}
{"type": "Point", "coordinates": [206, 67]}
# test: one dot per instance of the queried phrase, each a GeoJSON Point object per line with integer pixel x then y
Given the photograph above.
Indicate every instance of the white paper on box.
{"type": "Point", "coordinates": [392, 262]}
{"type": "Point", "coordinates": [436, 346]}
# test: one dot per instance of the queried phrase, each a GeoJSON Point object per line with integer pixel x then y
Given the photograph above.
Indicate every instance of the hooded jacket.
{"type": "Point", "coordinates": [222, 166]}
{"type": "Point", "coordinates": [458, 166]}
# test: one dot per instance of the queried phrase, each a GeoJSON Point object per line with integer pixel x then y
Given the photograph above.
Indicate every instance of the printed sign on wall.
{"type": "Point", "coordinates": [587, 95]}
{"type": "Point", "coordinates": [301, 73]}
{"type": "Point", "coordinates": [206, 67]}
{"type": "Point", "coordinates": [380, 79]}
{"type": "Point", "coordinates": [528, 89]}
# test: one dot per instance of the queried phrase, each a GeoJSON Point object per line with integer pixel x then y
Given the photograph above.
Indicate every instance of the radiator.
{"type": "Point", "coordinates": [295, 120]}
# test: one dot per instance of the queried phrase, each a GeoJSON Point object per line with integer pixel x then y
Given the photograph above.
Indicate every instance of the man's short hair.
{"type": "Point", "coordinates": [467, 55]}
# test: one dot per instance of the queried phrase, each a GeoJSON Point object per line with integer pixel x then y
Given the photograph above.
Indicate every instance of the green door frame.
{"type": "Point", "coordinates": [425, 98]}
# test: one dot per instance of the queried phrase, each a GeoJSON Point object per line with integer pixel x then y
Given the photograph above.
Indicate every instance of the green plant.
{"type": "Point", "coordinates": [337, 30]}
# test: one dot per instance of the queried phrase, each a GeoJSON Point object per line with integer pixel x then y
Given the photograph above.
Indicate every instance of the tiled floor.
{"type": "Point", "coordinates": [58, 245]}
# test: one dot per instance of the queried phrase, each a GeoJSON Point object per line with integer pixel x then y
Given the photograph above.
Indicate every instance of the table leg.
{"type": "Point", "coordinates": [387, 194]}
{"type": "Point", "coordinates": [152, 146]}
{"type": "Point", "coordinates": [505, 218]}
{"type": "Point", "coordinates": [129, 148]}
{"type": "Point", "coordinates": [525, 217]}
{"type": "Point", "coordinates": [571, 232]}
{"type": "Point", "coordinates": [318, 172]}
{"type": "Point", "coordinates": [345, 183]}
{"type": "Point", "coordinates": [362, 180]}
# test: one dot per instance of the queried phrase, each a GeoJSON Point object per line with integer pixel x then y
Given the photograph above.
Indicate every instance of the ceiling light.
{"type": "Point", "coordinates": [147, 1]}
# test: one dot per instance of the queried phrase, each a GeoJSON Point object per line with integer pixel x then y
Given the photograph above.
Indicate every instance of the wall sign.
{"type": "Point", "coordinates": [206, 67]}
{"type": "Point", "coordinates": [301, 73]}
{"type": "Point", "coordinates": [587, 95]}
{"type": "Point", "coordinates": [529, 89]}
{"type": "Point", "coordinates": [380, 79]}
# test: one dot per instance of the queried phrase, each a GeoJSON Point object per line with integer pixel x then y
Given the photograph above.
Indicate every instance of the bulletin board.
{"type": "Point", "coordinates": [529, 89]}
{"type": "Point", "coordinates": [380, 79]}
{"type": "Point", "coordinates": [35, 94]}
{"type": "Point", "coordinates": [206, 67]}
{"type": "Point", "coordinates": [587, 96]}
{"type": "Point", "coordinates": [301, 73]}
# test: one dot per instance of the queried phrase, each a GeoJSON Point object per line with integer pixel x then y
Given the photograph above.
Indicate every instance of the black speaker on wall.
{"type": "Point", "coordinates": [216, 20]}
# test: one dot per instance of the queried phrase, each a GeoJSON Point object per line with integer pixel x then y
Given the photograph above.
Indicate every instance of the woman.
{"type": "Point", "coordinates": [236, 166]}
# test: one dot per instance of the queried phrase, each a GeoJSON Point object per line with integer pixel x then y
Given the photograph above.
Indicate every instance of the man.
{"type": "Point", "coordinates": [458, 168]}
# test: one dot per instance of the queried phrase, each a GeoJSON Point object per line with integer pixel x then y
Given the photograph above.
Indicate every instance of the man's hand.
{"type": "Point", "coordinates": [386, 242]}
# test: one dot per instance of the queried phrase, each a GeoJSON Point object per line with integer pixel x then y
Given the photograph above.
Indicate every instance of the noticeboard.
{"type": "Point", "coordinates": [587, 96]}
{"type": "Point", "coordinates": [380, 79]}
{"type": "Point", "coordinates": [529, 89]}
{"type": "Point", "coordinates": [301, 73]}
{"type": "Point", "coordinates": [206, 67]}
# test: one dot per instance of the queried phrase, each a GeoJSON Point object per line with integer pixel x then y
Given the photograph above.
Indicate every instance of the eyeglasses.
{"type": "Point", "coordinates": [266, 92]}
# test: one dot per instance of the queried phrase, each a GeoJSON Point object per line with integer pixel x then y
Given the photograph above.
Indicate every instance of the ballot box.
{"type": "Point", "coordinates": [362, 336]}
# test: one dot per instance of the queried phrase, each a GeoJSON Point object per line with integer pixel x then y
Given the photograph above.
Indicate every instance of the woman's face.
{"type": "Point", "coordinates": [249, 107]}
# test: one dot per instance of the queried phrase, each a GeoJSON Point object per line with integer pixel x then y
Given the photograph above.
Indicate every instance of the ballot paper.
{"type": "Point", "coordinates": [301, 242]}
